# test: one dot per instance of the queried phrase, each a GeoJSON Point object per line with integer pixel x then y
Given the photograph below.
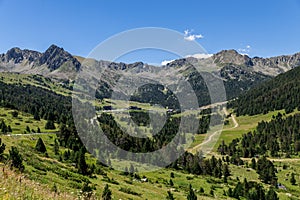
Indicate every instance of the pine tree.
{"type": "Point", "coordinates": [40, 146]}
{"type": "Point", "coordinates": [191, 195]}
{"type": "Point", "coordinates": [3, 127]}
{"type": "Point", "coordinates": [170, 196]}
{"type": "Point", "coordinates": [36, 116]}
{"type": "Point", "coordinates": [16, 158]}
{"type": "Point", "coordinates": [272, 195]}
{"type": "Point", "coordinates": [230, 192]}
{"type": "Point", "coordinates": [14, 114]}
{"type": "Point", "coordinates": [226, 171]}
{"type": "Point", "coordinates": [171, 183]}
{"type": "Point", "coordinates": [56, 147]}
{"type": "Point", "coordinates": [238, 191]}
{"type": "Point", "coordinates": [201, 190]}
{"type": "Point", "coordinates": [266, 171]}
{"type": "Point", "coordinates": [225, 179]}
{"type": "Point", "coordinates": [66, 155]}
{"type": "Point", "coordinates": [131, 169]}
{"type": "Point", "coordinates": [9, 130]}
{"type": "Point", "coordinates": [27, 129]}
{"type": "Point", "coordinates": [253, 163]}
{"type": "Point", "coordinates": [293, 180]}
{"type": "Point", "coordinates": [172, 175]}
{"type": "Point", "coordinates": [211, 192]}
{"type": "Point", "coordinates": [50, 125]}
{"type": "Point", "coordinates": [82, 166]}
{"type": "Point", "coordinates": [2, 148]}
{"type": "Point", "coordinates": [126, 172]}
{"type": "Point", "coordinates": [106, 194]}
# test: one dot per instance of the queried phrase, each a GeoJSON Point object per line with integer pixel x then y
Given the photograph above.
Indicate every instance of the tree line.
{"type": "Point", "coordinates": [278, 137]}
{"type": "Point", "coordinates": [39, 102]}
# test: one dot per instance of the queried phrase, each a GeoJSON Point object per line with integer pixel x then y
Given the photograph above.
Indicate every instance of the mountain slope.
{"type": "Point", "coordinates": [267, 66]}
{"type": "Point", "coordinates": [282, 92]}
{"type": "Point", "coordinates": [54, 62]}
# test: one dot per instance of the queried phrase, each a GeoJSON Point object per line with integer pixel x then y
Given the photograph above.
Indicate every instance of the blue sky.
{"type": "Point", "coordinates": [258, 28]}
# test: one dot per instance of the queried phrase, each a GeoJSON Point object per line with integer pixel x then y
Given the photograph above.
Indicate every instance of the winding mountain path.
{"type": "Point", "coordinates": [236, 124]}
{"type": "Point", "coordinates": [197, 147]}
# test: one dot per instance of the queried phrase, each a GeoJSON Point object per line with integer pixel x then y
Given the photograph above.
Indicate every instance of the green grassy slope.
{"type": "Point", "coordinates": [35, 80]}
{"type": "Point", "coordinates": [20, 123]}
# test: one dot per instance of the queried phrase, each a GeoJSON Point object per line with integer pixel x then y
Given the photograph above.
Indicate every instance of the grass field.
{"type": "Point", "coordinates": [245, 124]}
{"type": "Point", "coordinates": [35, 165]}
{"type": "Point", "coordinates": [19, 123]}
{"type": "Point", "coordinates": [35, 80]}
{"type": "Point", "coordinates": [38, 182]}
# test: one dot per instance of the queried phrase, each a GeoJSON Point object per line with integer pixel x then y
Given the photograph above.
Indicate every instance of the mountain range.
{"type": "Point", "coordinates": [239, 72]}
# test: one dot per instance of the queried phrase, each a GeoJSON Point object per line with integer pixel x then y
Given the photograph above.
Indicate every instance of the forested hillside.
{"type": "Point", "coordinates": [37, 101]}
{"type": "Point", "coordinates": [282, 92]}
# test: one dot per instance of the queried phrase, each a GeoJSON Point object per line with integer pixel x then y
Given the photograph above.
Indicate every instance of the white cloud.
{"type": "Point", "coordinates": [200, 55]}
{"type": "Point", "coordinates": [165, 62]}
{"type": "Point", "coordinates": [191, 37]}
{"type": "Point", "coordinates": [245, 51]}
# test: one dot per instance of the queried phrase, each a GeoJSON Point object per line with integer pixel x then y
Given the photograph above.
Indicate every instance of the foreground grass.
{"type": "Point", "coordinates": [43, 172]}
{"type": "Point", "coordinates": [14, 185]}
{"type": "Point", "coordinates": [47, 171]}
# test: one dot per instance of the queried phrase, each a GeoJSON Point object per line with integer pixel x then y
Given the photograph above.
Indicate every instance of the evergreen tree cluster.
{"type": "Point", "coordinates": [136, 144]}
{"type": "Point", "coordinates": [155, 94]}
{"type": "Point", "coordinates": [252, 191]}
{"type": "Point", "coordinates": [276, 137]}
{"type": "Point", "coordinates": [39, 102]}
{"type": "Point", "coordinates": [195, 164]}
{"type": "Point", "coordinates": [281, 92]}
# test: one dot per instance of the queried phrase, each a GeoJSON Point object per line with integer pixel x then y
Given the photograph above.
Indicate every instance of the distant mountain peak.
{"type": "Point", "coordinates": [232, 57]}
{"type": "Point", "coordinates": [29, 61]}
{"type": "Point", "coordinates": [53, 48]}
{"type": "Point", "coordinates": [14, 54]}
{"type": "Point", "coordinates": [55, 56]}
{"type": "Point", "coordinates": [17, 55]}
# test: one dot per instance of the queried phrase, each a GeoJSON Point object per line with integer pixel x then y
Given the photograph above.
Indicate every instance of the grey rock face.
{"type": "Point", "coordinates": [54, 57]}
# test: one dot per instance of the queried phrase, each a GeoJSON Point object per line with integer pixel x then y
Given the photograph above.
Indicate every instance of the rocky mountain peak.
{"type": "Point", "coordinates": [136, 65]}
{"type": "Point", "coordinates": [232, 57]}
{"type": "Point", "coordinates": [16, 55]}
{"type": "Point", "coordinates": [53, 48]}
{"type": "Point", "coordinates": [54, 57]}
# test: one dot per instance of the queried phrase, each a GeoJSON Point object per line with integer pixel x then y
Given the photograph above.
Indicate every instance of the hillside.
{"type": "Point", "coordinates": [282, 92]}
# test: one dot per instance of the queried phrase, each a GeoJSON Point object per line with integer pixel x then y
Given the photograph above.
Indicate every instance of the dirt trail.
{"type": "Point", "coordinates": [28, 134]}
{"type": "Point", "coordinates": [236, 124]}
{"type": "Point", "coordinates": [195, 148]}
